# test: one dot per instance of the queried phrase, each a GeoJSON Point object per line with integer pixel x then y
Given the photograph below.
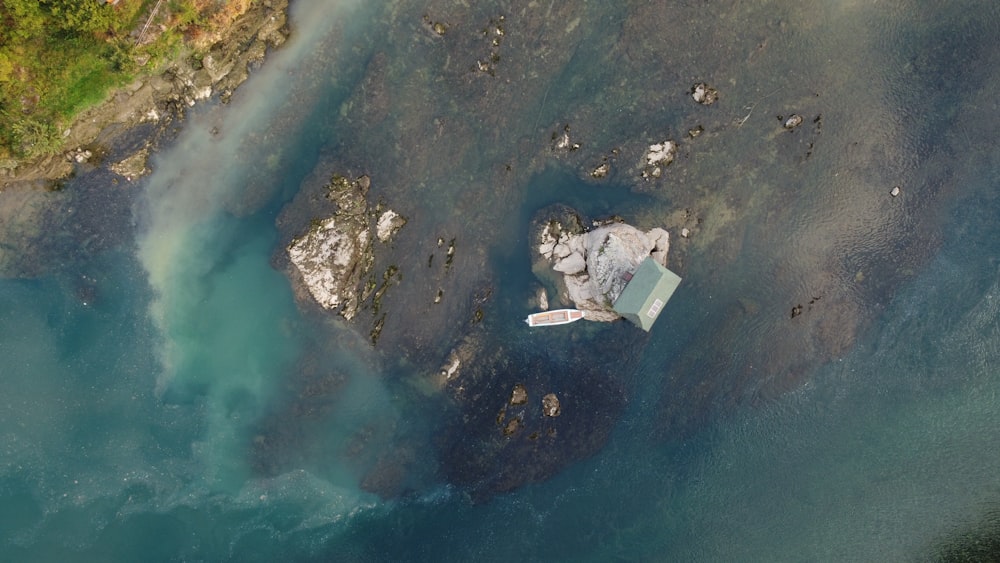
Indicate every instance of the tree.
{"type": "Point", "coordinates": [33, 137]}
{"type": "Point", "coordinates": [26, 19]}
{"type": "Point", "coordinates": [83, 16]}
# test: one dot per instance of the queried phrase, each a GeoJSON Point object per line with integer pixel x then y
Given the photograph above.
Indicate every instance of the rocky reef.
{"type": "Point", "coordinates": [520, 415]}
{"type": "Point", "coordinates": [597, 264]}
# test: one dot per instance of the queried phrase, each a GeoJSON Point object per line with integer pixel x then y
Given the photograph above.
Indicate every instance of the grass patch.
{"type": "Point", "coordinates": [79, 80]}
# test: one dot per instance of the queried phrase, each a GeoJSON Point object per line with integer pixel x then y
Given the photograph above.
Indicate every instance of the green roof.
{"type": "Point", "coordinates": [646, 293]}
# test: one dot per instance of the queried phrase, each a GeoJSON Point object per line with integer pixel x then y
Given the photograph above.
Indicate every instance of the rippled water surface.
{"type": "Point", "coordinates": [165, 396]}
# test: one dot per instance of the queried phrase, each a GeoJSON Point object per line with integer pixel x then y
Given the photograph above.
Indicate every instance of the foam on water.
{"type": "Point", "coordinates": [226, 317]}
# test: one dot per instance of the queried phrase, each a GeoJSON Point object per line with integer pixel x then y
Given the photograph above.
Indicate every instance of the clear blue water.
{"type": "Point", "coordinates": [164, 398]}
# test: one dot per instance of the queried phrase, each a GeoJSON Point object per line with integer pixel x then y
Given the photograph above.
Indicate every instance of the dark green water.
{"type": "Point", "coordinates": [164, 398]}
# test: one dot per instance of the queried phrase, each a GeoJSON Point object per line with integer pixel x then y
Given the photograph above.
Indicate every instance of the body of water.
{"type": "Point", "coordinates": [165, 396]}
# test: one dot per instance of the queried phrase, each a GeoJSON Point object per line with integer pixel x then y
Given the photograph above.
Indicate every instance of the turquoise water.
{"type": "Point", "coordinates": [164, 397]}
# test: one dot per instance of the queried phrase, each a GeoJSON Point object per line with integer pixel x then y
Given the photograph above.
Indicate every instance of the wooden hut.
{"type": "Point", "coordinates": [646, 293]}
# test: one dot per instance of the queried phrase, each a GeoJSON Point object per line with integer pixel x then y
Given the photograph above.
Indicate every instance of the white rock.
{"type": "Point", "coordinates": [612, 252]}
{"type": "Point", "coordinates": [661, 153]}
{"type": "Point", "coordinates": [581, 291]}
{"type": "Point", "coordinates": [203, 93]}
{"type": "Point", "coordinates": [450, 371]}
{"type": "Point", "coordinates": [704, 94]}
{"type": "Point", "coordinates": [563, 142]}
{"type": "Point", "coordinates": [794, 121]}
{"type": "Point", "coordinates": [388, 224]}
{"type": "Point", "coordinates": [571, 264]}
{"type": "Point", "coordinates": [661, 244]}
{"type": "Point", "coordinates": [562, 250]}
{"type": "Point", "coordinates": [546, 248]}
{"type": "Point", "coordinates": [660, 238]}
{"type": "Point", "coordinates": [322, 256]}
{"type": "Point", "coordinates": [699, 93]}
{"type": "Point", "coordinates": [543, 299]}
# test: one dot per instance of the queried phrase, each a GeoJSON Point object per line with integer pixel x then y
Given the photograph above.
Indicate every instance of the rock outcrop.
{"type": "Point", "coordinates": [550, 405]}
{"type": "Point", "coordinates": [331, 258]}
{"type": "Point", "coordinates": [335, 256]}
{"type": "Point", "coordinates": [658, 157]}
{"type": "Point", "coordinates": [597, 265]}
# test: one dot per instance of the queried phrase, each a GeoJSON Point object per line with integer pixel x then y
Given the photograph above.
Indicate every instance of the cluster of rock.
{"type": "Point", "coordinates": [494, 32]}
{"type": "Point", "coordinates": [658, 157]}
{"type": "Point", "coordinates": [704, 94]}
{"type": "Point", "coordinates": [518, 398]}
{"type": "Point", "coordinates": [227, 62]}
{"type": "Point", "coordinates": [335, 256]}
{"type": "Point", "coordinates": [597, 265]}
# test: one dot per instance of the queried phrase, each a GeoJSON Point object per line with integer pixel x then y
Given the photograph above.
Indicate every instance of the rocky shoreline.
{"type": "Point", "coordinates": [115, 139]}
{"type": "Point", "coordinates": [158, 98]}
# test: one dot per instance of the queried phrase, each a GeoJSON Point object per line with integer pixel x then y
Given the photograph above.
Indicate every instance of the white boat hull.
{"type": "Point", "coordinates": [556, 317]}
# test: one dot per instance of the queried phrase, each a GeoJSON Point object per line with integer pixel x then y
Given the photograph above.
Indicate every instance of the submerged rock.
{"type": "Point", "coordinates": [793, 121]}
{"type": "Point", "coordinates": [519, 395]}
{"type": "Point", "coordinates": [704, 94]}
{"type": "Point", "coordinates": [512, 426]}
{"type": "Point", "coordinates": [134, 166]}
{"type": "Point", "coordinates": [497, 446]}
{"type": "Point", "coordinates": [27, 219]}
{"type": "Point", "coordinates": [542, 297]}
{"type": "Point", "coordinates": [550, 405]}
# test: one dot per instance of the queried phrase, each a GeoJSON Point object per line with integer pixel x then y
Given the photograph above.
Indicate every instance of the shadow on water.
{"type": "Point", "coordinates": [495, 443]}
{"type": "Point", "coordinates": [976, 542]}
{"type": "Point", "coordinates": [555, 185]}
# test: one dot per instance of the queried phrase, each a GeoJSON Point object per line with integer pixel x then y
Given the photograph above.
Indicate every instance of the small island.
{"type": "Point", "coordinates": [613, 271]}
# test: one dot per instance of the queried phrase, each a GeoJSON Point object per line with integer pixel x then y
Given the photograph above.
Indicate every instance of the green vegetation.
{"type": "Point", "coordinates": [59, 57]}
{"type": "Point", "coordinates": [56, 58]}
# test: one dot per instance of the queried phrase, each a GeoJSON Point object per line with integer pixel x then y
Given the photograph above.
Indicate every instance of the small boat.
{"type": "Point", "coordinates": [557, 317]}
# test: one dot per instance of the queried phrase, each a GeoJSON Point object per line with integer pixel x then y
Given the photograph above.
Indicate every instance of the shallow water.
{"type": "Point", "coordinates": [164, 397]}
